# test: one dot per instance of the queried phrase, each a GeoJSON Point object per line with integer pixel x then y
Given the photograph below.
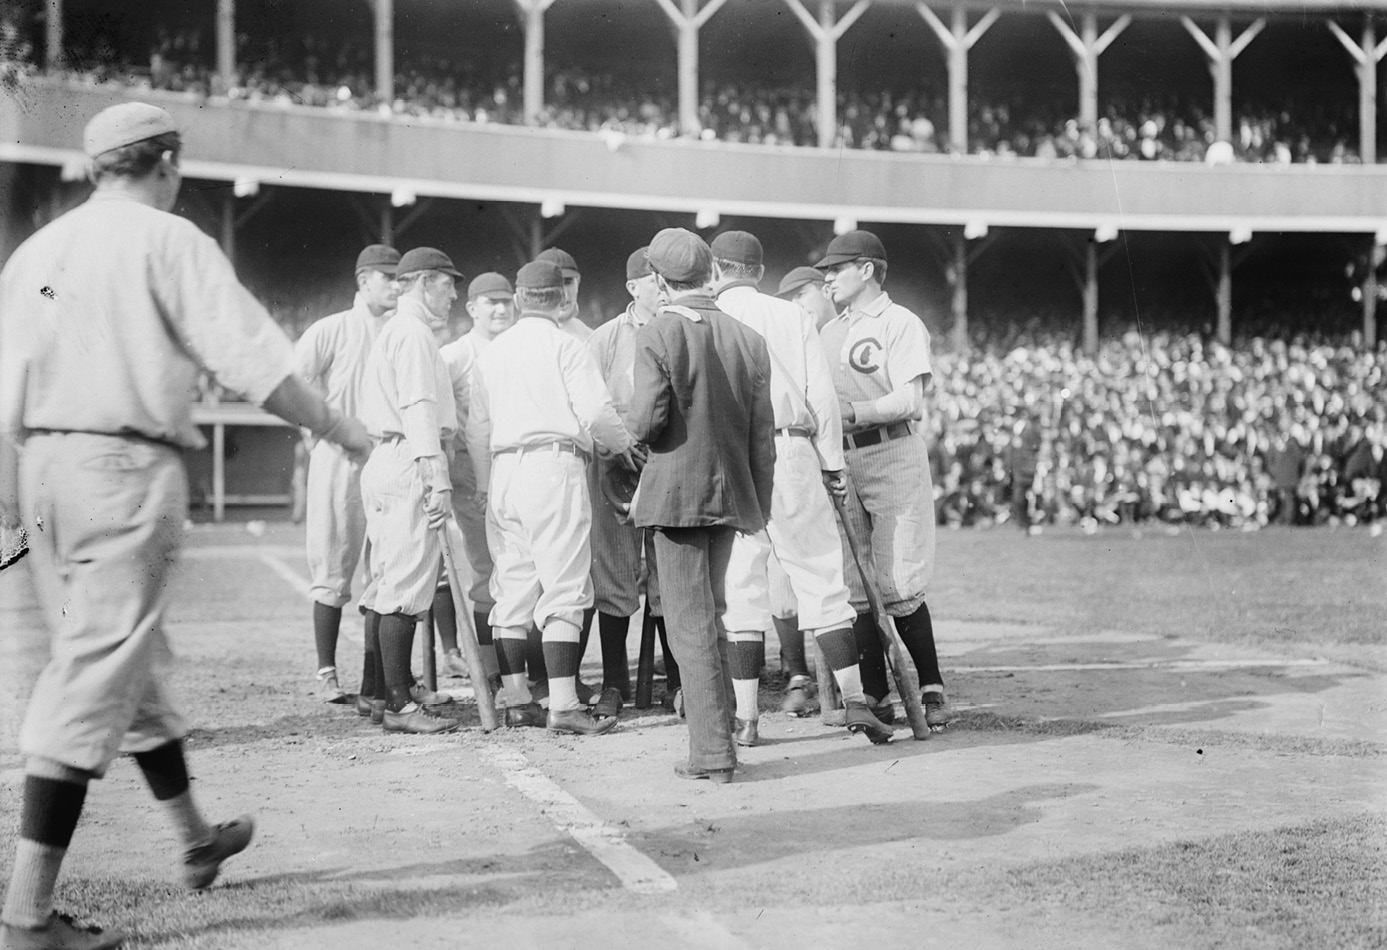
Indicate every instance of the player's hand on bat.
{"type": "Point", "coordinates": [632, 459]}
{"type": "Point", "coordinates": [438, 505]}
{"type": "Point", "coordinates": [836, 481]}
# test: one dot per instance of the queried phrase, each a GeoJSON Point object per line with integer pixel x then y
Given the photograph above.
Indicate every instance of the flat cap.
{"type": "Point", "coordinates": [426, 258]}
{"type": "Point", "coordinates": [124, 124]}
{"type": "Point", "coordinates": [490, 284]}
{"type": "Point", "coordinates": [797, 278]}
{"type": "Point", "coordinates": [852, 246]}
{"type": "Point", "coordinates": [561, 257]}
{"type": "Point", "coordinates": [679, 254]}
{"type": "Point", "coordinates": [540, 275]}
{"type": "Point", "coordinates": [740, 246]}
{"type": "Point", "coordinates": [637, 265]}
{"type": "Point", "coordinates": [381, 257]}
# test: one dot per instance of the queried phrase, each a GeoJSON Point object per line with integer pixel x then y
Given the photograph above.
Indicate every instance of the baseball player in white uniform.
{"type": "Point", "coordinates": [407, 407]}
{"type": "Point", "coordinates": [879, 354]}
{"type": "Point", "coordinates": [107, 315]}
{"type": "Point", "coordinates": [800, 530]}
{"type": "Point", "coordinates": [804, 286]}
{"type": "Point", "coordinates": [331, 357]}
{"type": "Point", "coordinates": [491, 305]}
{"type": "Point", "coordinates": [537, 405]}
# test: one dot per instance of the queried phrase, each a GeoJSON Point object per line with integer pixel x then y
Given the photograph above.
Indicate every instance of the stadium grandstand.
{"type": "Point", "coordinates": [1151, 229]}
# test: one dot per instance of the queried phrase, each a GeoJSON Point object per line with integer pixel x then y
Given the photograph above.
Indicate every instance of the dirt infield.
{"type": "Point", "coordinates": [1074, 746]}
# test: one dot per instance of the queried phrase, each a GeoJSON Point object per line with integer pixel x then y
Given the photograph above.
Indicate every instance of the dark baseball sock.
{"type": "Point", "coordinates": [396, 645]}
{"type": "Point", "coordinates": [482, 618]}
{"type": "Point", "coordinates": [327, 621]}
{"type": "Point", "coordinates": [372, 676]}
{"type": "Point", "coordinates": [562, 658]}
{"type": "Point", "coordinates": [746, 658]}
{"type": "Point", "coordinates": [616, 667]}
{"type": "Point", "coordinates": [672, 680]}
{"type": "Point", "coordinates": [511, 653]}
{"type": "Point", "coordinates": [165, 769]}
{"type": "Point", "coordinates": [534, 656]}
{"type": "Point", "coordinates": [791, 646]}
{"type": "Point", "coordinates": [870, 658]}
{"type": "Point", "coordinates": [839, 648]}
{"type": "Point", "coordinates": [917, 631]}
{"type": "Point", "coordinates": [50, 809]}
{"type": "Point", "coordinates": [445, 618]}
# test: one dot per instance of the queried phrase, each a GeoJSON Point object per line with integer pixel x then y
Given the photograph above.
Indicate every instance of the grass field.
{"type": "Point", "coordinates": [1059, 811]}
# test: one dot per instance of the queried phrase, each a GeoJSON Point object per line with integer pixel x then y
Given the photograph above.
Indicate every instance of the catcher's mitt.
{"type": "Point", "coordinates": [14, 544]}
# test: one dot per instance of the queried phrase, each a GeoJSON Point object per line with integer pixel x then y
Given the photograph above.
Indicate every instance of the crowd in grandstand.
{"type": "Point", "coordinates": [904, 119]}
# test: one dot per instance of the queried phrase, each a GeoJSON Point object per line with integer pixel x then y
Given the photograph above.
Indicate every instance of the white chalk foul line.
{"type": "Point", "coordinates": [1186, 665]}
{"type": "Point", "coordinates": [295, 579]}
{"type": "Point", "coordinates": [637, 873]}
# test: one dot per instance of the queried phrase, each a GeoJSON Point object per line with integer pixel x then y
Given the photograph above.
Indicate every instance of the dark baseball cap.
{"type": "Point", "coordinates": [381, 257]}
{"type": "Point", "coordinates": [562, 258]}
{"type": "Point", "coordinates": [540, 275]}
{"type": "Point", "coordinates": [742, 247]}
{"type": "Point", "coordinates": [679, 254]}
{"type": "Point", "coordinates": [797, 278]}
{"type": "Point", "coordinates": [637, 265]}
{"type": "Point", "coordinates": [426, 258]}
{"type": "Point", "coordinates": [852, 246]}
{"type": "Point", "coordinates": [490, 284]}
{"type": "Point", "coordinates": [125, 124]}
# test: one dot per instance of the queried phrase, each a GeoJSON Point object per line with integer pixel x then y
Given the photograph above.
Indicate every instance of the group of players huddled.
{"type": "Point", "coordinates": [511, 438]}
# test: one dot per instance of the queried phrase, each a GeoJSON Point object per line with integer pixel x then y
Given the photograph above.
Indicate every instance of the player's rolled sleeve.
{"type": "Point", "coordinates": [217, 319]}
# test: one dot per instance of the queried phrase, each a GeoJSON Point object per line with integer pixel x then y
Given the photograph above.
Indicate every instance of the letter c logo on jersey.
{"type": "Point", "coordinates": [865, 356]}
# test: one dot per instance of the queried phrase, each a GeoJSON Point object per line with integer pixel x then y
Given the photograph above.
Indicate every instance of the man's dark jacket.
{"type": "Point", "coordinates": [703, 405]}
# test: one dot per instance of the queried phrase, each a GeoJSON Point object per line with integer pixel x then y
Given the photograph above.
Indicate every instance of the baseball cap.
{"type": "Point", "coordinates": [426, 258]}
{"type": "Point", "coordinates": [562, 258]}
{"type": "Point", "coordinates": [490, 284]}
{"type": "Point", "coordinates": [637, 265]}
{"type": "Point", "coordinates": [679, 254]}
{"type": "Point", "coordinates": [124, 124]}
{"type": "Point", "coordinates": [797, 278]}
{"type": "Point", "coordinates": [742, 247]}
{"type": "Point", "coordinates": [540, 275]}
{"type": "Point", "coordinates": [852, 246]}
{"type": "Point", "coordinates": [381, 257]}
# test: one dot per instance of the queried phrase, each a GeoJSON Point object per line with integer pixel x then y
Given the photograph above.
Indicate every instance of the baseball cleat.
{"type": "Point", "coordinates": [747, 732]}
{"type": "Point", "coordinates": [885, 710]}
{"type": "Point", "coordinates": [424, 696]}
{"type": "Point", "coordinates": [328, 689]}
{"type": "Point", "coordinates": [59, 933]}
{"type": "Point", "coordinates": [201, 864]}
{"type": "Point", "coordinates": [579, 722]}
{"type": "Point", "coordinates": [455, 666]}
{"type": "Point", "coordinates": [797, 697]}
{"type": "Point", "coordinates": [833, 718]}
{"type": "Point", "coordinates": [860, 720]}
{"type": "Point", "coordinates": [525, 714]}
{"type": "Point", "coordinates": [415, 719]}
{"type": "Point", "coordinates": [363, 705]}
{"type": "Point", "coordinates": [937, 715]}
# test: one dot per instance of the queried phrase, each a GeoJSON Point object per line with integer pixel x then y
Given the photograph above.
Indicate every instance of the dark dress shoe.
{"type": "Point", "coordinates": [861, 720]}
{"type": "Point", "coordinates": [746, 732]}
{"type": "Point", "coordinates": [579, 722]}
{"type": "Point", "coordinates": [363, 705]}
{"type": "Point", "coordinates": [416, 720]}
{"type": "Point", "coordinates": [526, 714]}
{"type": "Point", "coordinates": [684, 770]}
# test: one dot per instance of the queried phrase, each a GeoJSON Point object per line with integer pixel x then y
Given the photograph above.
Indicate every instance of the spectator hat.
{"type": "Point", "coordinates": [540, 275]}
{"type": "Point", "coordinates": [797, 278]}
{"type": "Point", "coordinates": [381, 257]}
{"type": "Point", "coordinates": [852, 246]}
{"type": "Point", "coordinates": [562, 258]}
{"type": "Point", "coordinates": [679, 254]}
{"type": "Point", "coordinates": [490, 284]}
{"type": "Point", "coordinates": [740, 246]}
{"type": "Point", "coordinates": [637, 265]}
{"type": "Point", "coordinates": [125, 124]}
{"type": "Point", "coordinates": [426, 258]}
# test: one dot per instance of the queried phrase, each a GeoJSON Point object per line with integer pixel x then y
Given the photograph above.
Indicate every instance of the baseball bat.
{"type": "Point", "coordinates": [645, 665]}
{"type": "Point", "coordinates": [906, 683]}
{"type": "Point", "coordinates": [427, 655]}
{"type": "Point", "coordinates": [486, 708]}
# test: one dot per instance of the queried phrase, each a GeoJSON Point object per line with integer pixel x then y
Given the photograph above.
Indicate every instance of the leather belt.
{"type": "Point", "coordinates": [555, 446]}
{"type": "Point", "coordinates": [796, 431]}
{"type": "Point", "coordinates": [132, 436]}
{"type": "Point", "coordinates": [877, 435]}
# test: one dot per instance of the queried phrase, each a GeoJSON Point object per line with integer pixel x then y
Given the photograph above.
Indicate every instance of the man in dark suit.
{"type": "Point", "coordinates": [702, 403]}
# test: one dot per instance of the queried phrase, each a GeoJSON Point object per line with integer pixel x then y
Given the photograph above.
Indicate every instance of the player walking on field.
{"type": "Point", "coordinates": [800, 529]}
{"type": "Point", "coordinates": [331, 357]}
{"type": "Point", "coordinates": [538, 403]}
{"type": "Point", "coordinates": [407, 406]}
{"type": "Point", "coordinates": [879, 354]}
{"type": "Point", "coordinates": [106, 316]}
